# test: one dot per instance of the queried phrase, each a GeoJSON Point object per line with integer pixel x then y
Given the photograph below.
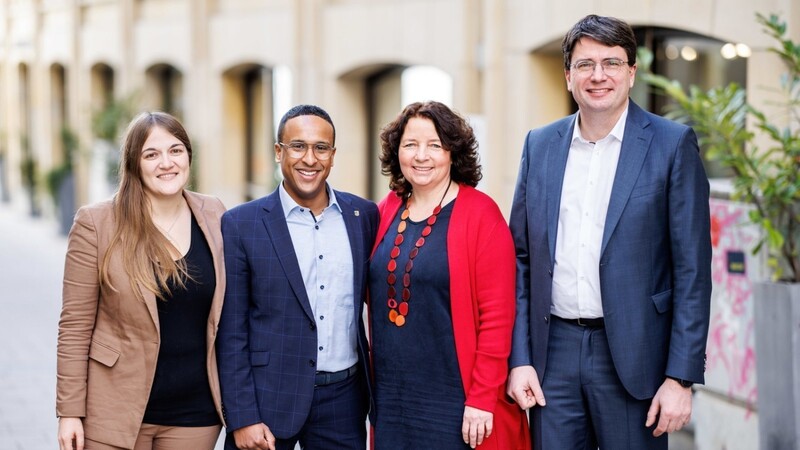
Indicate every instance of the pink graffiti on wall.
{"type": "Point", "coordinates": [731, 368]}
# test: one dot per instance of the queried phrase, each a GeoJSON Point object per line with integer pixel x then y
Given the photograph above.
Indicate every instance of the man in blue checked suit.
{"type": "Point", "coordinates": [291, 348]}
{"type": "Point", "coordinates": [610, 220]}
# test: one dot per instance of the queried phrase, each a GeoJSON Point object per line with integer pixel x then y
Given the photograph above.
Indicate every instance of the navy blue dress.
{"type": "Point", "coordinates": [419, 395]}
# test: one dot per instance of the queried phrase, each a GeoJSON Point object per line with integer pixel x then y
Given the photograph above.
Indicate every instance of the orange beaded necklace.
{"type": "Point", "coordinates": [399, 310]}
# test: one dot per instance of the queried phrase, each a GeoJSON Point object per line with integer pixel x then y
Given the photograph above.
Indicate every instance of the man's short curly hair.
{"type": "Point", "coordinates": [455, 133]}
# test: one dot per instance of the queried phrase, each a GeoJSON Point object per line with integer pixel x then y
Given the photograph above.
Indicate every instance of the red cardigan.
{"type": "Point", "coordinates": [482, 264]}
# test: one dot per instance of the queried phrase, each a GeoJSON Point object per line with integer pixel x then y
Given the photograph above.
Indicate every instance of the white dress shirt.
{"type": "Point", "coordinates": [586, 190]}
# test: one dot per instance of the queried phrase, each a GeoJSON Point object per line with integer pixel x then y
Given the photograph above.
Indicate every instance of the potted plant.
{"type": "Point", "coordinates": [61, 181]}
{"type": "Point", "coordinates": [765, 162]}
{"type": "Point", "coordinates": [107, 124]}
{"type": "Point", "coordinates": [29, 172]}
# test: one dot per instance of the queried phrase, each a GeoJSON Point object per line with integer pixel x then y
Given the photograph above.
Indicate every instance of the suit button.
{"type": "Point", "coordinates": [312, 363]}
{"type": "Point", "coordinates": [312, 326]}
{"type": "Point", "coordinates": [546, 319]}
{"type": "Point", "coordinates": [550, 272]}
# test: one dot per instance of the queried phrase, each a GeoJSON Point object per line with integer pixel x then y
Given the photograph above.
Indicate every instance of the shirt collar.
{"type": "Point", "coordinates": [617, 132]}
{"type": "Point", "coordinates": [288, 204]}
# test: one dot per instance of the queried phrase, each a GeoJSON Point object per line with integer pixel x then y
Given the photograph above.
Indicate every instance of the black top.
{"type": "Point", "coordinates": [419, 396]}
{"type": "Point", "coordinates": [181, 395]}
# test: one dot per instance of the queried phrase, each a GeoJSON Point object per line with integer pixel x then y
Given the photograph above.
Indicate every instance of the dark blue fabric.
{"type": "Point", "coordinates": [587, 405]}
{"type": "Point", "coordinates": [336, 420]}
{"type": "Point", "coordinates": [181, 395]}
{"type": "Point", "coordinates": [267, 339]}
{"type": "Point", "coordinates": [419, 395]}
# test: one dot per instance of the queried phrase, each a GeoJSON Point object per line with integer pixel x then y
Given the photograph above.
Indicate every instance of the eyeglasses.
{"type": "Point", "coordinates": [298, 149]}
{"type": "Point", "coordinates": [611, 66]}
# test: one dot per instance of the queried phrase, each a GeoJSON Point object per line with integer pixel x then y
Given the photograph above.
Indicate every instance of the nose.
{"type": "Point", "coordinates": [309, 157]}
{"type": "Point", "coordinates": [165, 160]}
{"type": "Point", "coordinates": [421, 153]}
{"type": "Point", "coordinates": [598, 73]}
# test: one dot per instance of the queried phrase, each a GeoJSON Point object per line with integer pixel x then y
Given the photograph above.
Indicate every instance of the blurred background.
{"type": "Point", "coordinates": [73, 73]}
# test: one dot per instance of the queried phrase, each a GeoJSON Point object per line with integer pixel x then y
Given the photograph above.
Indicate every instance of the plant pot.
{"type": "Point", "coordinates": [776, 308]}
{"type": "Point", "coordinates": [66, 203]}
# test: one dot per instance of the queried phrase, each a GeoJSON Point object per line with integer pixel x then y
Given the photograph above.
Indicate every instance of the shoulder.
{"type": "Point", "coordinates": [208, 201]}
{"type": "Point", "coordinates": [560, 127]}
{"type": "Point", "coordinates": [355, 201]}
{"type": "Point", "coordinates": [477, 200]}
{"type": "Point", "coordinates": [96, 212]}
{"type": "Point", "coordinates": [247, 210]}
{"type": "Point", "coordinates": [476, 208]}
{"type": "Point", "coordinates": [659, 124]}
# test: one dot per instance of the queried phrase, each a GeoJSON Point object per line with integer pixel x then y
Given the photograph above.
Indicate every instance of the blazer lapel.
{"type": "Point", "coordinates": [209, 224]}
{"type": "Point", "coordinates": [557, 153]}
{"type": "Point", "coordinates": [635, 145]}
{"type": "Point", "coordinates": [278, 231]}
{"type": "Point", "coordinates": [352, 223]}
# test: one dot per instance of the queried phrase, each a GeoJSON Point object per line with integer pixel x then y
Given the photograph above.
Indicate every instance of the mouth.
{"type": "Point", "coordinates": [307, 173]}
{"type": "Point", "coordinates": [598, 91]}
{"type": "Point", "coordinates": [167, 176]}
{"type": "Point", "coordinates": [422, 169]}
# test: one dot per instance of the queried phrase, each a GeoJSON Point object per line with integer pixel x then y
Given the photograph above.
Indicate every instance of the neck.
{"type": "Point", "coordinates": [598, 125]}
{"type": "Point", "coordinates": [165, 207]}
{"type": "Point", "coordinates": [431, 195]}
{"type": "Point", "coordinates": [316, 204]}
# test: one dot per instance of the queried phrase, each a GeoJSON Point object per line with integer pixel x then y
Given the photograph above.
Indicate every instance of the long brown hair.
{"type": "Point", "coordinates": [146, 255]}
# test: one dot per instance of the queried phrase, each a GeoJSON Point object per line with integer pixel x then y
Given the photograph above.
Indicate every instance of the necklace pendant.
{"type": "Point", "coordinates": [403, 308]}
{"type": "Point", "coordinates": [393, 315]}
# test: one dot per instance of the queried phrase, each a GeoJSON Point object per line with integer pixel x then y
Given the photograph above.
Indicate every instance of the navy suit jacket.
{"type": "Point", "coordinates": [655, 261]}
{"type": "Point", "coordinates": [267, 342]}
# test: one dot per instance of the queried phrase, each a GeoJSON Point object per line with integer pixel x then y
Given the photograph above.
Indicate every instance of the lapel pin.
{"type": "Point", "coordinates": [356, 213]}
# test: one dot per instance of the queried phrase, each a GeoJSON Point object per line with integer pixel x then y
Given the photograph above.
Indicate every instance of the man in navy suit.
{"type": "Point", "coordinates": [291, 345]}
{"type": "Point", "coordinates": [611, 224]}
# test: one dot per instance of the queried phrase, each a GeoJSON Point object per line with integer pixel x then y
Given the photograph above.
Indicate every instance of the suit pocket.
{"type": "Point", "coordinates": [647, 189]}
{"type": "Point", "coordinates": [663, 301]}
{"type": "Point", "coordinates": [259, 358]}
{"type": "Point", "coordinates": [103, 354]}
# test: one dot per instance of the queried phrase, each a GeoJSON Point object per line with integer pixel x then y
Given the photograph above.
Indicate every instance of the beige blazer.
{"type": "Point", "coordinates": [108, 341]}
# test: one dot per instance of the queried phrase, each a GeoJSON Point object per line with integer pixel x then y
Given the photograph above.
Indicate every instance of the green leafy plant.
{"type": "Point", "coordinates": [56, 176]}
{"type": "Point", "coordinates": [765, 174]}
{"type": "Point", "coordinates": [107, 122]}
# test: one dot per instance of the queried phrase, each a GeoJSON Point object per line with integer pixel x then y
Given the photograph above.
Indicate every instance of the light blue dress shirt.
{"type": "Point", "coordinates": [326, 263]}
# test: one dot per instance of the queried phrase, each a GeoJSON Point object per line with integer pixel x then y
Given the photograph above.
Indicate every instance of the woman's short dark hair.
{"type": "Point", "coordinates": [608, 31]}
{"type": "Point", "coordinates": [453, 130]}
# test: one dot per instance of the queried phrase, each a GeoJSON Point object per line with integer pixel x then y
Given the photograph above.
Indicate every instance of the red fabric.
{"type": "Point", "coordinates": [482, 266]}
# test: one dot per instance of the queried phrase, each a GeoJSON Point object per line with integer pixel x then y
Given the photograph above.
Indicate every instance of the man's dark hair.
{"type": "Point", "coordinates": [606, 30]}
{"type": "Point", "coordinates": [305, 110]}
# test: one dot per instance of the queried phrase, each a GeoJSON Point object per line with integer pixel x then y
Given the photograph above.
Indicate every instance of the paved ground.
{"type": "Point", "coordinates": [31, 268]}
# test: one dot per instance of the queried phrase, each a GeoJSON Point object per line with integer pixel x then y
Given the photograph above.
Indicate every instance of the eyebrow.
{"type": "Point", "coordinates": [177, 144]}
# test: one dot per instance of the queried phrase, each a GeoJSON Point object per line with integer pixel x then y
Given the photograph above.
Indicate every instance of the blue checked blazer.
{"type": "Point", "coordinates": [267, 342]}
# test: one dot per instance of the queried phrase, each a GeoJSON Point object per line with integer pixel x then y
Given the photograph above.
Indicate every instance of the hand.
{"type": "Point", "coordinates": [477, 426]}
{"type": "Point", "coordinates": [254, 437]}
{"type": "Point", "coordinates": [523, 387]}
{"type": "Point", "coordinates": [673, 407]}
{"type": "Point", "coordinates": [70, 433]}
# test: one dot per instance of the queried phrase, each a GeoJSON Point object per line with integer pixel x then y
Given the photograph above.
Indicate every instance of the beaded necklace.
{"type": "Point", "coordinates": [399, 310]}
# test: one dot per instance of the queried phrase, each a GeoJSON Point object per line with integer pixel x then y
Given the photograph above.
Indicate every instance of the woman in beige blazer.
{"type": "Point", "coordinates": [143, 288]}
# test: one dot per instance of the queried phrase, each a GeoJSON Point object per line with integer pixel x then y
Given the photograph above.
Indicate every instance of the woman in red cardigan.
{"type": "Point", "coordinates": [441, 293]}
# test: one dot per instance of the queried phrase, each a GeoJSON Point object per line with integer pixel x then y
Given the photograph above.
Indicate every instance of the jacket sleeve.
{"type": "Point", "coordinates": [80, 300]}
{"type": "Point", "coordinates": [518, 221]}
{"type": "Point", "coordinates": [690, 239]}
{"type": "Point", "coordinates": [233, 349]}
{"type": "Point", "coordinates": [493, 290]}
